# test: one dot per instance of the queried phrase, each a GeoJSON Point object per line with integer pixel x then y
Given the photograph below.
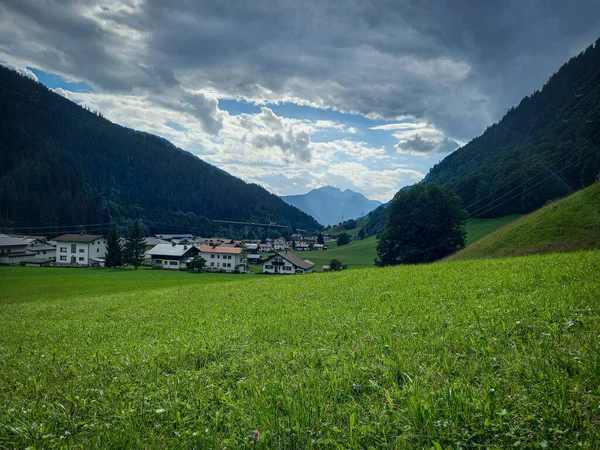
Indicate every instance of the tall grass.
{"type": "Point", "coordinates": [490, 354]}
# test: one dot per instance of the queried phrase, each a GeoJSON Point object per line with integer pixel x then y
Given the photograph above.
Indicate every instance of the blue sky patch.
{"type": "Point", "coordinates": [54, 81]}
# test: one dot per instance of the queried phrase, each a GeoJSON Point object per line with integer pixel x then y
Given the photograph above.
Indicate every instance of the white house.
{"type": "Point", "coordinates": [225, 259]}
{"type": "Point", "coordinates": [302, 246]}
{"type": "Point", "coordinates": [13, 250]}
{"type": "Point", "coordinates": [287, 263]}
{"type": "Point", "coordinates": [171, 256]}
{"type": "Point", "coordinates": [280, 245]}
{"type": "Point", "coordinates": [265, 248]}
{"type": "Point", "coordinates": [80, 250]}
{"type": "Point", "coordinates": [42, 249]}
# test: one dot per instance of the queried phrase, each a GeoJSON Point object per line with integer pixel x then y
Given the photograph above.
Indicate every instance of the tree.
{"type": "Point", "coordinates": [114, 254]}
{"type": "Point", "coordinates": [424, 223]}
{"type": "Point", "coordinates": [198, 263]}
{"type": "Point", "coordinates": [335, 264]}
{"type": "Point", "coordinates": [320, 239]}
{"type": "Point", "coordinates": [361, 233]}
{"type": "Point", "coordinates": [343, 239]}
{"type": "Point", "coordinates": [293, 244]}
{"type": "Point", "coordinates": [135, 245]}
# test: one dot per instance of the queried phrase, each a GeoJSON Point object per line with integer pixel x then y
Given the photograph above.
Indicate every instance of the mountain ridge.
{"type": "Point", "coordinates": [62, 164]}
{"type": "Point", "coordinates": [330, 205]}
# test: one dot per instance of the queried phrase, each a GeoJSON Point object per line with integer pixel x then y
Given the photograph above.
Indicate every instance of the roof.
{"type": "Point", "coordinates": [78, 237]}
{"type": "Point", "coordinates": [36, 261]}
{"type": "Point", "coordinates": [6, 241]}
{"type": "Point", "coordinates": [253, 256]}
{"type": "Point", "coordinates": [220, 249]}
{"type": "Point", "coordinates": [169, 250]}
{"type": "Point", "coordinates": [155, 241]}
{"type": "Point", "coordinates": [295, 260]}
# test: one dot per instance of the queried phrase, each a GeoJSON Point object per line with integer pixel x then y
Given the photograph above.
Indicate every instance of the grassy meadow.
{"type": "Point", "coordinates": [490, 353]}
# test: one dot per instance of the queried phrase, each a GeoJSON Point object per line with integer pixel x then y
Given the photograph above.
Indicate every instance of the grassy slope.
{"type": "Point", "coordinates": [492, 353]}
{"type": "Point", "coordinates": [572, 223]}
{"type": "Point", "coordinates": [356, 254]}
{"type": "Point", "coordinates": [479, 228]}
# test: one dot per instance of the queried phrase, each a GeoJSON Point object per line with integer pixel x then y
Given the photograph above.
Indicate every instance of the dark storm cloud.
{"type": "Point", "coordinates": [459, 65]}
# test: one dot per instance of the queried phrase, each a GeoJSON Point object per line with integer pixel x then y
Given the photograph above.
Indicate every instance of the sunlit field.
{"type": "Point", "coordinates": [494, 353]}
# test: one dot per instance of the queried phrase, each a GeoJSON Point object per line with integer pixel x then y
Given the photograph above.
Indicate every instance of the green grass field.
{"type": "Point", "coordinates": [362, 253]}
{"type": "Point", "coordinates": [568, 224]}
{"type": "Point", "coordinates": [469, 354]}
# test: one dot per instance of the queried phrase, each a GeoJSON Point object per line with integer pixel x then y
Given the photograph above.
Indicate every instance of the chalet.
{"type": "Point", "coordinates": [319, 247]}
{"type": "Point", "coordinates": [265, 248]}
{"type": "Point", "coordinates": [287, 263]}
{"type": "Point", "coordinates": [224, 259]}
{"type": "Point", "coordinates": [80, 250]}
{"type": "Point", "coordinates": [13, 250]}
{"type": "Point", "coordinates": [172, 256]}
{"type": "Point", "coordinates": [252, 247]}
{"type": "Point", "coordinates": [281, 245]}
{"type": "Point", "coordinates": [302, 246]}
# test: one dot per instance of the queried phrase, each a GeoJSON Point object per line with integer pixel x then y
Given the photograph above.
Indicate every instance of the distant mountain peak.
{"type": "Point", "coordinates": [331, 205]}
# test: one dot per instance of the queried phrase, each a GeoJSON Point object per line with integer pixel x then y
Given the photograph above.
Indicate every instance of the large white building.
{"type": "Point", "coordinates": [171, 256]}
{"type": "Point", "coordinates": [13, 250]}
{"type": "Point", "coordinates": [80, 250]}
{"type": "Point", "coordinates": [287, 263]}
{"type": "Point", "coordinates": [224, 259]}
{"type": "Point", "coordinates": [42, 249]}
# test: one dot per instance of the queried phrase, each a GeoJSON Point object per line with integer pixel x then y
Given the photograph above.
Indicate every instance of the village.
{"type": "Point", "coordinates": [168, 252]}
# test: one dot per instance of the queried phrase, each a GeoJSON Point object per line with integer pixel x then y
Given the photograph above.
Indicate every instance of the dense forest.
{"type": "Point", "coordinates": [61, 164]}
{"type": "Point", "coordinates": [546, 147]}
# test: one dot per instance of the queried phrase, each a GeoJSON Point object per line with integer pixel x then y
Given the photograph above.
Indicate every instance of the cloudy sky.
{"type": "Point", "coordinates": [294, 95]}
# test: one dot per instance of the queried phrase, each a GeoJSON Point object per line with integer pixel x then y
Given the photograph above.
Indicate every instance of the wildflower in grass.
{"type": "Point", "coordinates": [345, 324]}
{"type": "Point", "coordinates": [256, 435]}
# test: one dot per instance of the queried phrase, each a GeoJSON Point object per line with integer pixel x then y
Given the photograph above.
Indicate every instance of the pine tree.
{"type": "Point", "coordinates": [114, 254]}
{"type": "Point", "coordinates": [135, 245]}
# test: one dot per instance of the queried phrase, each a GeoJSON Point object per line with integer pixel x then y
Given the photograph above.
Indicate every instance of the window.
{"type": "Point", "coordinates": [73, 248]}
{"type": "Point", "coordinates": [97, 250]}
{"type": "Point", "coordinates": [81, 258]}
{"type": "Point", "coordinates": [228, 264]}
{"type": "Point", "coordinates": [63, 249]}
{"type": "Point", "coordinates": [212, 264]}
{"type": "Point", "coordinates": [212, 256]}
{"type": "Point", "coordinates": [288, 268]}
{"type": "Point", "coordinates": [218, 264]}
{"type": "Point", "coordinates": [268, 267]}
{"type": "Point", "coordinates": [44, 252]}
{"type": "Point", "coordinates": [104, 242]}
{"type": "Point", "coordinates": [228, 256]}
{"type": "Point", "coordinates": [158, 261]}
{"type": "Point", "coordinates": [173, 263]}
{"type": "Point", "coordinates": [81, 250]}
{"type": "Point", "coordinates": [63, 258]}
{"type": "Point", "coordinates": [218, 256]}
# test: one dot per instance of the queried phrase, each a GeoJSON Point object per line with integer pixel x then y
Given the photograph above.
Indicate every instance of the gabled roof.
{"type": "Point", "coordinates": [169, 250]}
{"type": "Point", "coordinates": [295, 260]}
{"type": "Point", "coordinates": [221, 249]}
{"type": "Point", "coordinates": [78, 237]}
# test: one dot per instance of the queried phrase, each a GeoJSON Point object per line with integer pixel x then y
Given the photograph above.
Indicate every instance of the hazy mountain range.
{"type": "Point", "coordinates": [330, 205]}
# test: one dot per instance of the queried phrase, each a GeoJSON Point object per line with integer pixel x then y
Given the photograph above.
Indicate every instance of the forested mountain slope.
{"type": "Point", "coordinates": [61, 164]}
{"type": "Point", "coordinates": [546, 147]}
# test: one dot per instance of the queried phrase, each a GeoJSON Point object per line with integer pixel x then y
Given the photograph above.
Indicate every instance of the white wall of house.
{"type": "Point", "coordinates": [14, 253]}
{"type": "Point", "coordinates": [286, 268]}
{"type": "Point", "coordinates": [225, 262]}
{"type": "Point", "coordinates": [168, 264]}
{"type": "Point", "coordinates": [82, 252]}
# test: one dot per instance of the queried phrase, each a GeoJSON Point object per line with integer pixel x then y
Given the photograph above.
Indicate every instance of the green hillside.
{"type": "Point", "coordinates": [470, 354]}
{"type": "Point", "coordinates": [479, 228]}
{"type": "Point", "coordinates": [61, 164]}
{"type": "Point", "coordinates": [569, 224]}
